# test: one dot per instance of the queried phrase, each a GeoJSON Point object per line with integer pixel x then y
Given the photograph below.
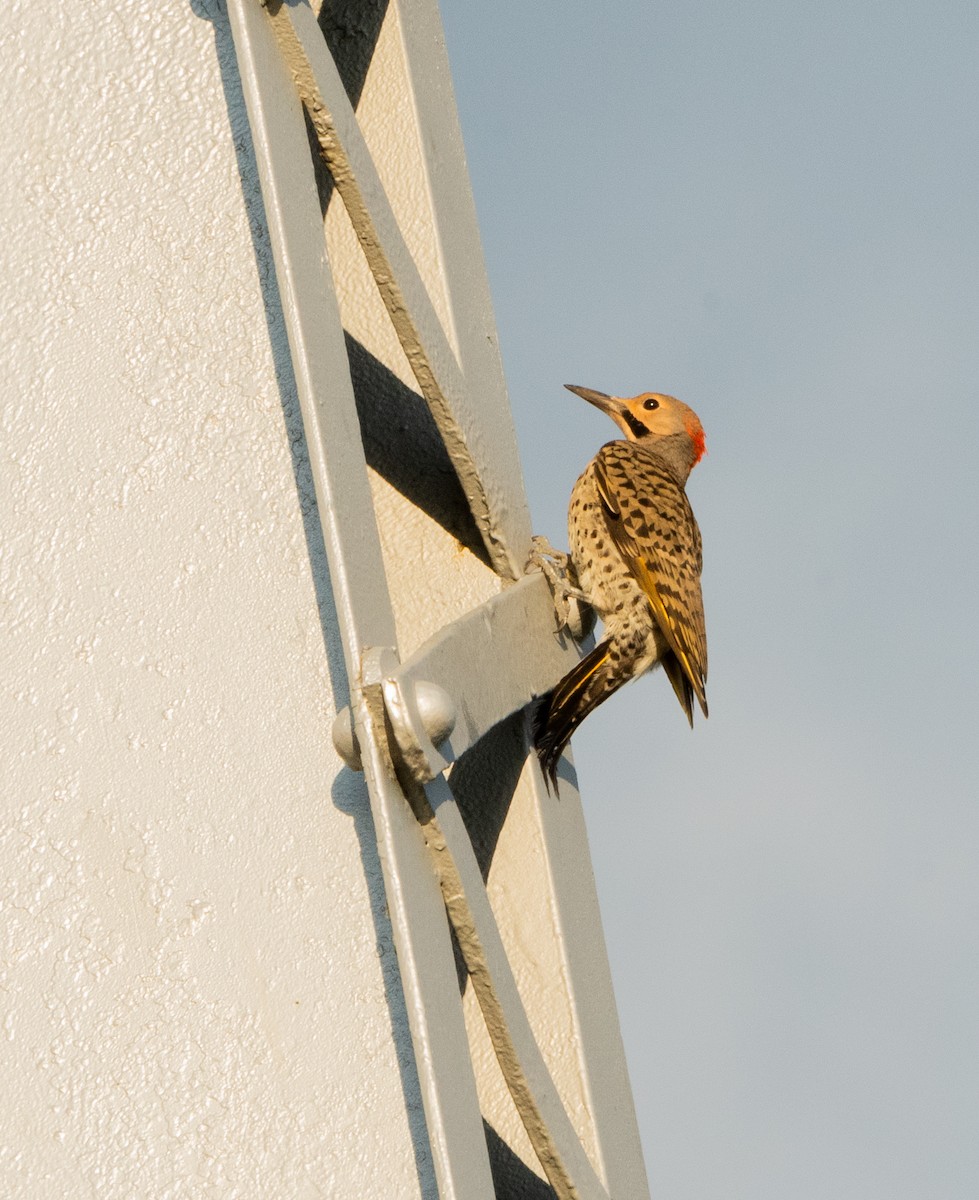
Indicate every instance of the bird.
{"type": "Point", "coordinates": [636, 551]}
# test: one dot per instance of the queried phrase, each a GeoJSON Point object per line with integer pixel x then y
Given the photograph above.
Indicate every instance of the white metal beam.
{"type": "Point", "coordinates": [487, 464]}
{"type": "Point", "coordinates": [345, 508]}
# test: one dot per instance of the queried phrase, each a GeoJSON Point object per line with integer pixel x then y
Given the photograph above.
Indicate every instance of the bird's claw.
{"type": "Point", "coordinates": [574, 612]}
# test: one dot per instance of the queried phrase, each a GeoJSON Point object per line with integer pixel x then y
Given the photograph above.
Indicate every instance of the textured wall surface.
{"type": "Point", "coordinates": [193, 947]}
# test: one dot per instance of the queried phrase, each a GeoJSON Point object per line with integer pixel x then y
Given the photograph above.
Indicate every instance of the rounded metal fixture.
{"type": "Point", "coordinates": [437, 710]}
{"type": "Point", "coordinates": [345, 739]}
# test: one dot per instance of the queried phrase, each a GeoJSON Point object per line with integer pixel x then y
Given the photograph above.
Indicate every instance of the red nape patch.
{"type": "Point", "coordinates": [696, 432]}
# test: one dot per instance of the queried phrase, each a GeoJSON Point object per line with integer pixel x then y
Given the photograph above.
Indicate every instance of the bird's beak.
{"type": "Point", "coordinates": [608, 404]}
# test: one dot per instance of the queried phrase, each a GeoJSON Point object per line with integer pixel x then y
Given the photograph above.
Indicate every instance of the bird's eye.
{"type": "Point", "coordinates": [650, 403]}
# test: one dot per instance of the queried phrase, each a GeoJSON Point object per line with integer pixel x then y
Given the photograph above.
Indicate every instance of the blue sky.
{"type": "Point", "coordinates": [770, 210]}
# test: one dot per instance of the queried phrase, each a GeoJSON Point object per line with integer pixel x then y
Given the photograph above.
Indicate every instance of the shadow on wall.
{"type": "Point", "coordinates": [512, 1178]}
{"type": "Point", "coordinates": [403, 445]}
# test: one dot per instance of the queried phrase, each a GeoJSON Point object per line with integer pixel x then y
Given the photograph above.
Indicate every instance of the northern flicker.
{"type": "Point", "coordinates": [636, 551]}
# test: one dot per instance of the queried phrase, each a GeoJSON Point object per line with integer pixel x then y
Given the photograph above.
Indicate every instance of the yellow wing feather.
{"type": "Point", "coordinates": [651, 523]}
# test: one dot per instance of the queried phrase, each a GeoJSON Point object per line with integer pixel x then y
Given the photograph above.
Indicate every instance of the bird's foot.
{"type": "Point", "coordinates": [573, 609]}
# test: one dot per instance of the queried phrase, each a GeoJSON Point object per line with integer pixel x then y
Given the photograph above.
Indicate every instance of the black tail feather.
{"type": "Point", "coordinates": [562, 710]}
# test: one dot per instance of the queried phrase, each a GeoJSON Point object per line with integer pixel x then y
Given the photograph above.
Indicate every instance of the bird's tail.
{"type": "Point", "coordinates": [562, 710]}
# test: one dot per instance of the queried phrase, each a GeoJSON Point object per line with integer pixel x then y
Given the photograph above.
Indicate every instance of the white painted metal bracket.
{"type": "Point", "coordinates": [475, 672]}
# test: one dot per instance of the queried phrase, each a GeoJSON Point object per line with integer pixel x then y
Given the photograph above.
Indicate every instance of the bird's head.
{"type": "Point", "coordinates": [650, 416]}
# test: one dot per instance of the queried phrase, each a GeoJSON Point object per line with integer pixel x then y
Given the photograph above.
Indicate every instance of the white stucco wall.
{"type": "Point", "coordinates": [193, 944]}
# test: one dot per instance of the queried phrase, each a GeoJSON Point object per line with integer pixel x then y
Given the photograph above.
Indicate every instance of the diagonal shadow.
{"type": "Point", "coordinates": [512, 1178]}
{"type": "Point", "coordinates": [351, 29]}
{"type": "Point", "coordinates": [483, 782]}
{"type": "Point", "coordinates": [403, 445]}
